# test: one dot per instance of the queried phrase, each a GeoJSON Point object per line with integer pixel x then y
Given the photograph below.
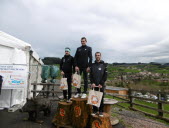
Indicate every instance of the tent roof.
{"type": "Point", "coordinates": [13, 42]}
{"type": "Point", "coordinates": [10, 41]}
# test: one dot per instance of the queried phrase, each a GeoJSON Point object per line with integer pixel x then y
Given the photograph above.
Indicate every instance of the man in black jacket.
{"type": "Point", "coordinates": [98, 76]}
{"type": "Point", "coordinates": [83, 61]}
{"type": "Point", "coordinates": [66, 67]}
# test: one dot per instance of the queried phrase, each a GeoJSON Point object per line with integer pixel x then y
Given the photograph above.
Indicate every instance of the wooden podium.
{"type": "Point", "coordinates": [63, 115]}
{"type": "Point", "coordinates": [81, 112]}
{"type": "Point", "coordinates": [77, 114]}
{"type": "Point", "coordinates": [100, 122]}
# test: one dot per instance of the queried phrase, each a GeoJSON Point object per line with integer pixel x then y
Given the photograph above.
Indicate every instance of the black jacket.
{"type": "Point", "coordinates": [67, 64]}
{"type": "Point", "coordinates": [83, 57]}
{"type": "Point", "coordinates": [98, 74]}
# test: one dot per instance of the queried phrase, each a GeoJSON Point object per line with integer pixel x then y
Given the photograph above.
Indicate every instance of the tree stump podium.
{"type": "Point", "coordinates": [80, 113]}
{"type": "Point", "coordinates": [100, 122]}
{"type": "Point", "coordinates": [63, 116]}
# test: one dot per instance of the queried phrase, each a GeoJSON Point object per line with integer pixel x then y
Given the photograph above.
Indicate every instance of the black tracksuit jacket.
{"type": "Point", "coordinates": [83, 57]}
{"type": "Point", "coordinates": [67, 64]}
{"type": "Point", "coordinates": [98, 74]}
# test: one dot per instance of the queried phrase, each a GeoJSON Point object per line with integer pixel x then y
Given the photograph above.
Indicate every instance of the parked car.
{"type": "Point", "coordinates": [139, 94]}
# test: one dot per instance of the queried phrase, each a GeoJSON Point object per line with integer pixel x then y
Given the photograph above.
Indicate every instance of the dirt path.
{"type": "Point", "coordinates": [132, 119]}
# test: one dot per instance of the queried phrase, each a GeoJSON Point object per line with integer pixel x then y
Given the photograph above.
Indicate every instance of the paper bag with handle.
{"type": "Point", "coordinates": [63, 84]}
{"type": "Point", "coordinates": [76, 80]}
{"type": "Point", "coordinates": [95, 97]}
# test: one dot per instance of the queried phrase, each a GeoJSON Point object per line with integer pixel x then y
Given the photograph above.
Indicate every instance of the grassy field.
{"type": "Point", "coordinates": [115, 70]}
{"type": "Point", "coordinates": [130, 72]}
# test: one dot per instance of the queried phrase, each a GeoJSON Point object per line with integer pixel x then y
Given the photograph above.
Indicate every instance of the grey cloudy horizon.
{"type": "Point", "coordinates": [123, 30]}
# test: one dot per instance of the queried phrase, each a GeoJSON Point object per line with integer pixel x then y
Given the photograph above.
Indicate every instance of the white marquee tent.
{"type": "Point", "coordinates": [20, 65]}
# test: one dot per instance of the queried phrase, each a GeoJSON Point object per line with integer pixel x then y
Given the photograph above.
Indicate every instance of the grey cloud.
{"type": "Point", "coordinates": [122, 31]}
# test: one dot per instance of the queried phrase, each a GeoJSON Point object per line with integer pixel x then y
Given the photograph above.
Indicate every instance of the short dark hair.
{"type": "Point", "coordinates": [98, 53]}
{"type": "Point", "coordinates": [84, 38]}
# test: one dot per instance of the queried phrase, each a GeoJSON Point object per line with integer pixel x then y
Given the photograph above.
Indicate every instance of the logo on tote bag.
{"type": "Point", "coordinates": [75, 82]}
{"type": "Point", "coordinates": [62, 86]}
{"type": "Point", "coordinates": [94, 99]}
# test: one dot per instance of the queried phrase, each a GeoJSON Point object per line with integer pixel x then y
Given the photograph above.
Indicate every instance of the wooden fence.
{"type": "Point", "coordinates": [130, 99]}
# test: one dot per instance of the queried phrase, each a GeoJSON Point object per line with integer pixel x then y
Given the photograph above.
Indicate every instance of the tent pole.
{"type": "Point", "coordinates": [29, 76]}
{"type": "Point", "coordinates": [11, 98]}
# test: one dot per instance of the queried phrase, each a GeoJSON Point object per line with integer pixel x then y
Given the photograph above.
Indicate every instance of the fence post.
{"type": "Point", "coordinates": [160, 105]}
{"type": "Point", "coordinates": [130, 98]}
{"type": "Point", "coordinates": [48, 86]}
{"type": "Point", "coordinates": [34, 88]}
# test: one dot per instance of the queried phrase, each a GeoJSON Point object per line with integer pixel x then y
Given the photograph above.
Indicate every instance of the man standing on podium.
{"type": "Point", "coordinates": [83, 61]}
{"type": "Point", "coordinates": [98, 76]}
{"type": "Point", "coordinates": [67, 68]}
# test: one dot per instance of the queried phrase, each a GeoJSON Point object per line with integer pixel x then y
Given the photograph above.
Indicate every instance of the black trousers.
{"type": "Point", "coordinates": [83, 70]}
{"type": "Point", "coordinates": [100, 109]}
{"type": "Point", "coordinates": [69, 80]}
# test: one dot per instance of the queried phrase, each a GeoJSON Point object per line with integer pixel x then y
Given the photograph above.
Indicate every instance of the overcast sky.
{"type": "Point", "coordinates": [123, 30]}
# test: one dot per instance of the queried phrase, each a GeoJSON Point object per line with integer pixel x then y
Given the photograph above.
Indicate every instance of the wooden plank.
{"type": "Point", "coordinates": [120, 105]}
{"type": "Point", "coordinates": [118, 97]}
{"type": "Point", "coordinates": [121, 98]}
{"type": "Point", "coordinates": [148, 99]}
{"type": "Point", "coordinates": [115, 94]}
{"type": "Point", "coordinates": [155, 109]}
{"type": "Point", "coordinates": [45, 91]}
{"type": "Point", "coordinates": [148, 114]}
{"type": "Point", "coordinates": [48, 84]}
{"type": "Point", "coordinates": [154, 92]}
{"type": "Point", "coordinates": [123, 102]}
{"type": "Point", "coordinates": [110, 101]}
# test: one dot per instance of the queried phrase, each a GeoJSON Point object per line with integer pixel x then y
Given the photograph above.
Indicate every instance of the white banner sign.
{"type": "Point", "coordinates": [14, 76]}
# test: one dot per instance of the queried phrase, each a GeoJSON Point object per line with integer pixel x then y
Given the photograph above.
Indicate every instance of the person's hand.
{"type": "Point", "coordinates": [100, 86]}
{"type": "Point", "coordinates": [93, 85]}
{"type": "Point", "coordinates": [88, 69]}
{"type": "Point", "coordinates": [76, 69]}
{"type": "Point", "coordinates": [62, 73]}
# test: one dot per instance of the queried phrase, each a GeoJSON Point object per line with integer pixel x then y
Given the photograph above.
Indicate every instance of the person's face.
{"type": "Point", "coordinates": [98, 56]}
{"type": "Point", "coordinates": [67, 53]}
{"type": "Point", "coordinates": [83, 42]}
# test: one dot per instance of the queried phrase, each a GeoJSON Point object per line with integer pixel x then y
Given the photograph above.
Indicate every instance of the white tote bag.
{"type": "Point", "coordinates": [76, 80]}
{"type": "Point", "coordinates": [63, 84]}
{"type": "Point", "coordinates": [95, 98]}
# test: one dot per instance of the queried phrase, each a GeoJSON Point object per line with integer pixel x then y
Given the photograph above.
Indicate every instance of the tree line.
{"type": "Point", "coordinates": [51, 60]}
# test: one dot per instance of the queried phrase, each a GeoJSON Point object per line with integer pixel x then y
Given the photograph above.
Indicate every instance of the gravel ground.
{"type": "Point", "coordinates": [16, 120]}
{"type": "Point", "coordinates": [132, 119]}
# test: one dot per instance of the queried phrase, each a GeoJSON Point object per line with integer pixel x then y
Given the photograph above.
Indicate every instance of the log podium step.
{"type": "Point", "coordinates": [77, 114]}
{"type": "Point", "coordinates": [100, 122]}
{"type": "Point", "coordinates": [81, 112]}
{"type": "Point", "coordinates": [63, 115]}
